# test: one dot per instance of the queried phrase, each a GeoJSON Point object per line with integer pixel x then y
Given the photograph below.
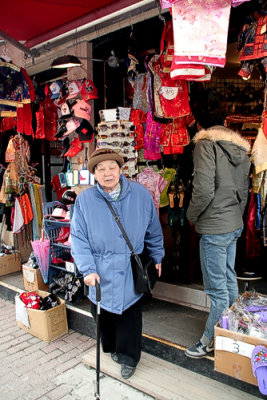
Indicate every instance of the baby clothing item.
{"type": "Point", "coordinates": [152, 136]}
{"type": "Point", "coordinates": [154, 182]}
{"type": "Point", "coordinates": [204, 29]}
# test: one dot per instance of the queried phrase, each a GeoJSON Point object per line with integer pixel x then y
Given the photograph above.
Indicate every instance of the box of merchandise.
{"type": "Point", "coordinates": [233, 352]}
{"type": "Point", "coordinates": [10, 263]}
{"type": "Point", "coordinates": [47, 325]}
{"type": "Point", "coordinates": [33, 279]}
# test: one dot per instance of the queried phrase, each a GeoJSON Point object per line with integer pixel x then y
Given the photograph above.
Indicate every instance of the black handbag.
{"type": "Point", "coordinates": [145, 274]}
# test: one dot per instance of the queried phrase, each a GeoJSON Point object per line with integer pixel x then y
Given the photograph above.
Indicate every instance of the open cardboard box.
{"type": "Point", "coordinates": [10, 263]}
{"type": "Point", "coordinates": [233, 352]}
{"type": "Point", "coordinates": [47, 325]}
{"type": "Point", "coordinates": [33, 279]}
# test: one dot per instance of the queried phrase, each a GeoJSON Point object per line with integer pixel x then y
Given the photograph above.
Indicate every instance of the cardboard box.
{"type": "Point", "coordinates": [10, 263]}
{"type": "Point", "coordinates": [46, 325]}
{"type": "Point", "coordinates": [33, 279]}
{"type": "Point", "coordinates": [233, 354]}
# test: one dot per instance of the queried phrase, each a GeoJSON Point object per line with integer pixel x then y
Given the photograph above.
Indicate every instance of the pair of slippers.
{"type": "Point", "coordinates": [259, 367]}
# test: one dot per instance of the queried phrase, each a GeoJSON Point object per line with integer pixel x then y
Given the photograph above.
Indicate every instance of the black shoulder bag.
{"type": "Point", "coordinates": [145, 274]}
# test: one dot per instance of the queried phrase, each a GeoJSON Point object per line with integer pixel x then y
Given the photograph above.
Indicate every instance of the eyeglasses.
{"type": "Point", "coordinates": [117, 144]}
{"type": "Point", "coordinates": [126, 159]}
{"type": "Point", "coordinates": [127, 151]}
{"type": "Point", "coordinates": [116, 134]}
{"type": "Point", "coordinates": [105, 127]}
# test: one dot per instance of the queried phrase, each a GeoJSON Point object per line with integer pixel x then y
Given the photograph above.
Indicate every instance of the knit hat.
{"type": "Point", "coordinates": [103, 154]}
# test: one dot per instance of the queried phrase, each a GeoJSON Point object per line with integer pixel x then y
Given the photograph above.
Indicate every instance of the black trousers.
{"type": "Point", "coordinates": [122, 334]}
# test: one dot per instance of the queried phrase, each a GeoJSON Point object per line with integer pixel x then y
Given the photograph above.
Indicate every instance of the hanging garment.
{"type": "Point", "coordinates": [152, 135]}
{"type": "Point", "coordinates": [10, 153]}
{"type": "Point", "coordinates": [154, 182]}
{"type": "Point", "coordinates": [253, 246]}
{"type": "Point", "coordinates": [39, 202]}
{"type": "Point", "coordinates": [168, 3]}
{"type": "Point", "coordinates": [171, 96]}
{"type": "Point", "coordinates": [203, 27]}
{"type": "Point", "coordinates": [50, 118]}
{"type": "Point", "coordinates": [167, 46]}
{"type": "Point", "coordinates": [40, 132]}
{"type": "Point", "coordinates": [138, 117]}
{"type": "Point", "coordinates": [22, 147]}
{"type": "Point", "coordinates": [175, 133]}
{"type": "Point", "coordinates": [18, 222]}
{"type": "Point", "coordinates": [26, 208]}
{"type": "Point", "coordinates": [154, 86]}
{"type": "Point", "coordinates": [35, 227]}
{"type": "Point", "coordinates": [259, 152]}
{"type": "Point", "coordinates": [149, 90]}
{"type": "Point", "coordinates": [140, 92]}
{"type": "Point", "coordinates": [7, 124]}
{"type": "Point", "coordinates": [189, 72]}
{"type": "Point", "coordinates": [167, 174]}
{"type": "Point", "coordinates": [24, 120]}
{"type": "Point", "coordinates": [255, 40]}
{"type": "Point", "coordinates": [14, 88]}
{"type": "Point", "coordinates": [29, 82]}
{"type": "Point", "coordinates": [167, 150]}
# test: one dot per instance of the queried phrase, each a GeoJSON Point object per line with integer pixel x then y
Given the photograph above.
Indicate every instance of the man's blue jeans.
{"type": "Point", "coordinates": [217, 257]}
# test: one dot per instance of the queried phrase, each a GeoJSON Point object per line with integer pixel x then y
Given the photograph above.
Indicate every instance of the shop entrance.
{"type": "Point", "coordinates": [181, 280]}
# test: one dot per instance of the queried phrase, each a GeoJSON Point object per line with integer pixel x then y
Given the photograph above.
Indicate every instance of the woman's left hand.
{"type": "Point", "coordinates": [158, 267]}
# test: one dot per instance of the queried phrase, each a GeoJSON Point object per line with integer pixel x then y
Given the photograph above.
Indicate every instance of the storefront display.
{"type": "Point", "coordinates": [152, 128]}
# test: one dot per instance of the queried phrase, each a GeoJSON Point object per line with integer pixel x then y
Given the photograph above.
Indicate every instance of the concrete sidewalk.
{"type": "Point", "coordinates": [32, 369]}
{"type": "Point", "coordinates": [35, 370]}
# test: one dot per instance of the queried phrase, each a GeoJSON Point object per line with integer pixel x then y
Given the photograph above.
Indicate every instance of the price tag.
{"type": "Point", "coordinates": [169, 93]}
{"type": "Point", "coordinates": [237, 347]}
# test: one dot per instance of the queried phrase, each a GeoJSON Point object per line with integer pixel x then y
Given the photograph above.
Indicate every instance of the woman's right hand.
{"type": "Point", "coordinates": [90, 279]}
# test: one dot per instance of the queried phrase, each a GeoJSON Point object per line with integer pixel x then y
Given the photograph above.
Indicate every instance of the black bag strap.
{"type": "Point", "coordinates": [119, 225]}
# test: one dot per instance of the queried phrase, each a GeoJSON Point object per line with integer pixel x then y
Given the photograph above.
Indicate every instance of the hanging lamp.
{"type": "Point", "coordinates": [67, 61]}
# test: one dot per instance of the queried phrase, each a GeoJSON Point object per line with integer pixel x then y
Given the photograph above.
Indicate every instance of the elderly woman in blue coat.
{"type": "Point", "coordinates": [101, 252]}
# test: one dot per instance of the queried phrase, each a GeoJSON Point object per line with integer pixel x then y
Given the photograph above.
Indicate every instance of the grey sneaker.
{"type": "Point", "coordinates": [199, 350]}
{"type": "Point", "coordinates": [115, 357]}
{"type": "Point", "coordinates": [127, 371]}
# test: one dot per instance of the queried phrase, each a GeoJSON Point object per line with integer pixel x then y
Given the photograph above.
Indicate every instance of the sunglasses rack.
{"type": "Point", "coordinates": [119, 135]}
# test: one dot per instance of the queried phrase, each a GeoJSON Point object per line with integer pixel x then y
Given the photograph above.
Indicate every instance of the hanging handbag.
{"type": "Point", "coordinates": [145, 274]}
{"type": "Point", "coordinates": [84, 174]}
{"type": "Point", "coordinates": [62, 180]}
{"type": "Point", "coordinates": [69, 176]}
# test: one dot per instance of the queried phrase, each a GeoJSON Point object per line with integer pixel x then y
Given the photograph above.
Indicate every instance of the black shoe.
{"type": "Point", "coordinates": [127, 371]}
{"type": "Point", "coordinates": [115, 357]}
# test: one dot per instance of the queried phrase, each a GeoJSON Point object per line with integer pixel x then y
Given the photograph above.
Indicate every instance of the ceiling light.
{"type": "Point", "coordinates": [66, 62]}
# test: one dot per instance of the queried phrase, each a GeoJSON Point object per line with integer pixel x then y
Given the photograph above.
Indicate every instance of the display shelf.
{"type": "Point", "coordinates": [53, 229]}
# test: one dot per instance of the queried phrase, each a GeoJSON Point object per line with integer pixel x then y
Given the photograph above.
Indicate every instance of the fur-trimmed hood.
{"type": "Point", "coordinates": [232, 143]}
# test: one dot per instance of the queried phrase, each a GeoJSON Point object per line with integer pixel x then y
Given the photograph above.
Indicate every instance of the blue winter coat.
{"type": "Point", "coordinates": [98, 245]}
